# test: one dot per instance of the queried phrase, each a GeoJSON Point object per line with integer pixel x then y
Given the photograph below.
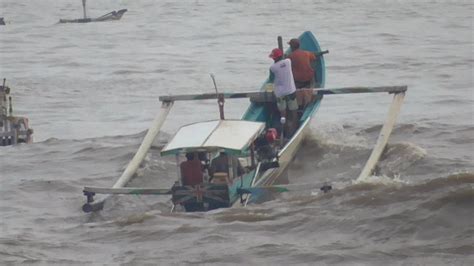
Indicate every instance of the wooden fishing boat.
{"type": "Point", "coordinates": [13, 129]}
{"type": "Point", "coordinates": [114, 15]}
{"type": "Point", "coordinates": [239, 139]}
{"type": "Point", "coordinates": [265, 112]}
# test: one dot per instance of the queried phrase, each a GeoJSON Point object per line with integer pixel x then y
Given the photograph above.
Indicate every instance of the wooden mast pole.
{"type": "Point", "coordinates": [220, 98]}
{"type": "Point", "coordinates": [84, 8]}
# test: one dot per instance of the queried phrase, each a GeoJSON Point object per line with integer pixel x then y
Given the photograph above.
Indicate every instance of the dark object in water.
{"type": "Point", "coordinates": [2, 22]}
{"type": "Point", "coordinates": [114, 15]}
{"type": "Point", "coordinates": [326, 188]}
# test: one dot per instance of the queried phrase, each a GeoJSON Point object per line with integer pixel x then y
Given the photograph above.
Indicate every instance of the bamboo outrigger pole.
{"type": "Point", "coordinates": [132, 167]}
{"type": "Point", "coordinates": [269, 96]}
{"type": "Point", "coordinates": [383, 136]}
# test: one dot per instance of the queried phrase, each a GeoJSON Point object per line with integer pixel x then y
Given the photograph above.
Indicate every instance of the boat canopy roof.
{"type": "Point", "coordinates": [230, 136]}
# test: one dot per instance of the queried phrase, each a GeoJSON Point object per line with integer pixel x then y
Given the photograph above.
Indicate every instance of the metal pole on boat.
{"type": "Point", "coordinates": [282, 122]}
{"type": "Point", "coordinates": [84, 8]}
{"type": "Point", "coordinates": [178, 170]}
{"type": "Point", "coordinates": [10, 109]}
{"type": "Point", "coordinates": [220, 98]}
{"type": "Point", "coordinates": [280, 43]}
{"type": "Point", "coordinates": [282, 119]}
{"type": "Point", "coordinates": [3, 102]}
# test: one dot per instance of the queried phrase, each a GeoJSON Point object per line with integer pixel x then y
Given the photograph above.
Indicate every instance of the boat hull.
{"type": "Point", "coordinates": [196, 199]}
{"type": "Point", "coordinates": [263, 112]}
{"type": "Point", "coordinates": [114, 15]}
{"type": "Point", "coordinates": [203, 197]}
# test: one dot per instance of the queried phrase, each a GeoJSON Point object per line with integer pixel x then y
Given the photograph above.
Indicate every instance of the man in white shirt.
{"type": "Point", "coordinates": [284, 88]}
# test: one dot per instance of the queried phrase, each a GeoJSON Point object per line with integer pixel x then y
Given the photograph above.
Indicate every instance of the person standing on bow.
{"type": "Point", "coordinates": [303, 72]}
{"type": "Point", "coordinates": [284, 89]}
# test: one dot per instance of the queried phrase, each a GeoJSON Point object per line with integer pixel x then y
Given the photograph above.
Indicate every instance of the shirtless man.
{"type": "Point", "coordinates": [303, 73]}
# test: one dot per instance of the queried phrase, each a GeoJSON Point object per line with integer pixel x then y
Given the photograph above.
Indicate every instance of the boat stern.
{"type": "Point", "coordinates": [201, 197]}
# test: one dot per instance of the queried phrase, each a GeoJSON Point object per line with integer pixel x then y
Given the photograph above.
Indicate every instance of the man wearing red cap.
{"type": "Point", "coordinates": [284, 89]}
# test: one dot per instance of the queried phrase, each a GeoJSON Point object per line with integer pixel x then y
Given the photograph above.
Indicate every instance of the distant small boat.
{"type": "Point", "coordinates": [114, 15]}
{"type": "Point", "coordinates": [2, 22]}
{"type": "Point", "coordinates": [13, 129]}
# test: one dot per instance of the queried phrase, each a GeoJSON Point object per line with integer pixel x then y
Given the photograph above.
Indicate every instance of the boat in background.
{"type": "Point", "coordinates": [2, 21]}
{"type": "Point", "coordinates": [13, 129]}
{"type": "Point", "coordinates": [114, 15]}
{"type": "Point", "coordinates": [257, 140]}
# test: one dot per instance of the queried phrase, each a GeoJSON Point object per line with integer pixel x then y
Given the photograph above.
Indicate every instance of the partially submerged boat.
{"type": "Point", "coordinates": [255, 143]}
{"type": "Point", "coordinates": [114, 15]}
{"type": "Point", "coordinates": [13, 129]}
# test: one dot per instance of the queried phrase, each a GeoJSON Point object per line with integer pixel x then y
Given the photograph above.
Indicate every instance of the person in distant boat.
{"type": "Point", "coordinates": [191, 171]}
{"type": "Point", "coordinates": [302, 70]}
{"type": "Point", "coordinates": [284, 88]}
{"type": "Point", "coordinates": [219, 168]}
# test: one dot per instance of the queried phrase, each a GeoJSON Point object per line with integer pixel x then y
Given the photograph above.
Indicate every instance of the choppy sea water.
{"type": "Point", "coordinates": [90, 92]}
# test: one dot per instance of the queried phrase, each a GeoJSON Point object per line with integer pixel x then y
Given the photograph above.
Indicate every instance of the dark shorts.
{"type": "Point", "coordinates": [288, 101]}
{"type": "Point", "coordinates": [302, 84]}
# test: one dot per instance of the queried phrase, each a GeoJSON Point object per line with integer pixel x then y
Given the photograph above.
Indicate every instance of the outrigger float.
{"type": "Point", "coordinates": [264, 162]}
{"type": "Point", "coordinates": [114, 15]}
{"type": "Point", "coordinates": [13, 129]}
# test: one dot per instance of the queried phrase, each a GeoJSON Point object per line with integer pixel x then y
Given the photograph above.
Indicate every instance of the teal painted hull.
{"type": "Point", "coordinates": [258, 112]}
{"type": "Point", "coordinates": [261, 112]}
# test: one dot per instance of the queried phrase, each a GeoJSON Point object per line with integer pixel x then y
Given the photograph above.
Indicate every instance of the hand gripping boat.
{"type": "Point", "coordinates": [239, 142]}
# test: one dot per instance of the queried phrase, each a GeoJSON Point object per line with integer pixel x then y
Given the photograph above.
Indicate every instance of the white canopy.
{"type": "Point", "coordinates": [232, 136]}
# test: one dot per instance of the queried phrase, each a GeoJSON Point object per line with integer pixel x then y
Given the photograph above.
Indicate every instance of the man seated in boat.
{"type": "Point", "coordinates": [191, 171]}
{"type": "Point", "coordinates": [284, 89]}
{"type": "Point", "coordinates": [303, 73]}
{"type": "Point", "coordinates": [219, 169]}
{"type": "Point", "coordinates": [265, 145]}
